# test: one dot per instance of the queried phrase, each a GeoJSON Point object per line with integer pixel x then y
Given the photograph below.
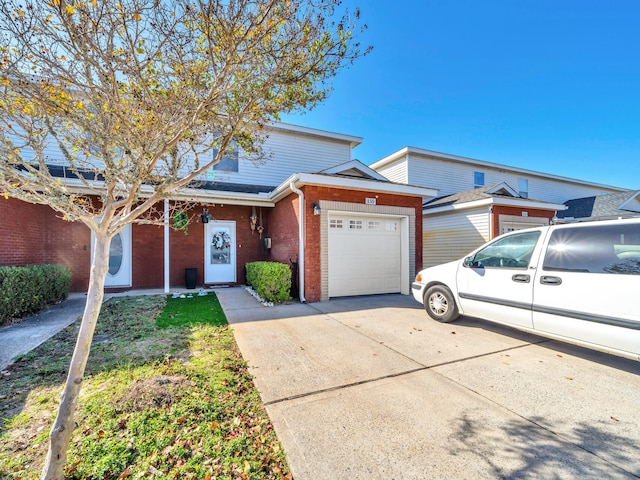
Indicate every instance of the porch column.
{"type": "Point", "coordinates": [166, 246]}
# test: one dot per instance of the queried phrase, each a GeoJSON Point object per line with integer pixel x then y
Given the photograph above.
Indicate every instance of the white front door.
{"type": "Point", "coordinates": [220, 252]}
{"type": "Point", "coordinates": [119, 274]}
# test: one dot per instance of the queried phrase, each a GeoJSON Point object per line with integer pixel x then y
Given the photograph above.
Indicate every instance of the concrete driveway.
{"type": "Point", "coordinates": [371, 388]}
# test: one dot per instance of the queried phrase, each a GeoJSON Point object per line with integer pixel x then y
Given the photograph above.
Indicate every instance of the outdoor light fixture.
{"type": "Point", "coordinates": [316, 209]}
{"type": "Point", "coordinates": [205, 215]}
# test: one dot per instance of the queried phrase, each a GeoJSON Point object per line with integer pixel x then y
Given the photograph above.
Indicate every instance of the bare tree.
{"type": "Point", "coordinates": [140, 97]}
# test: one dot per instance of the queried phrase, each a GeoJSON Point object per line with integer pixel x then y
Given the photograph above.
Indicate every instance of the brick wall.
{"type": "Point", "coordinates": [284, 219]}
{"type": "Point", "coordinates": [68, 243]}
{"type": "Point", "coordinates": [147, 256]}
{"type": "Point", "coordinates": [283, 228]}
{"type": "Point", "coordinates": [35, 234]}
{"type": "Point", "coordinates": [187, 251]}
{"type": "Point", "coordinates": [516, 211]}
{"type": "Point", "coordinates": [21, 232]}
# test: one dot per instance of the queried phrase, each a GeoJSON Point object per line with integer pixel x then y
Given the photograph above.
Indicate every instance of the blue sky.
{"type": "Point", "coordinates": [547, 85]}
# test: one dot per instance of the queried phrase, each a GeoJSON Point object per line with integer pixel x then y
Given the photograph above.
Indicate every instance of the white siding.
{"type": "Point", "coordinates": [290, 152]}
{"type": "Point", "coordinates": [453, 177]}
{"type": "Point", "coordinates": [451, 235]}
{"type": "Point", "coordinates": [396, 171]}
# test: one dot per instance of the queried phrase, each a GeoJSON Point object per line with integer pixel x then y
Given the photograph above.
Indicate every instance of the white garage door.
{"type": "Point", "coordinates": [365, 255]}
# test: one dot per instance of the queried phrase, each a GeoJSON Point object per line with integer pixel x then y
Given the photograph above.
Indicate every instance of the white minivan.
{"type": "Point", "coordinates": [579, 283]}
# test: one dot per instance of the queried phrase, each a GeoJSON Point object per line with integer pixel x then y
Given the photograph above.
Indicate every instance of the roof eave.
{"type": "Point", "coordinates": [302, 179]}
{"type": "Point", "coordinates": [486, 202]}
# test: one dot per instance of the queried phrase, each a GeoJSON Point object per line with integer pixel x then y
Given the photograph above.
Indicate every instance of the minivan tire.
{"type": "Point", "coordinates": [440, 304]}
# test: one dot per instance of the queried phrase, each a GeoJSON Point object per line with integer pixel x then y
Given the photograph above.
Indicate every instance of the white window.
{"type": "Point", "coordinates": [373, 225]}
{"type": "Point", "coordinates": [355, 224]}
{"type": "Point", "coordinates": [478, 179]}
{"type": "Point", "coordinates": [392, 226]}
{"type": "Point", "coordinates": [523, 187]}
{"type": "Point", "coordinates": [335, 223]}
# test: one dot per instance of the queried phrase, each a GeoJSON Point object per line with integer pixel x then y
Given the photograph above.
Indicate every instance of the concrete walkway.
{"type": "Point", "coordinates": [23, 337]}
{"type": "Point", "coordinates": [370, 388]}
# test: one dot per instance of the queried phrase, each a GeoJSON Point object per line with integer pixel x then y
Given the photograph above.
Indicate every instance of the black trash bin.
{"type": "Point", "coordinates": [190, 275]}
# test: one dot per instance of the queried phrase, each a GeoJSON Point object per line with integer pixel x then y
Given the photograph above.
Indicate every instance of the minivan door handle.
{"type": "Point", "coordinates": [547, 280]}
{"type": "Point", "coordinates": [522, 278]}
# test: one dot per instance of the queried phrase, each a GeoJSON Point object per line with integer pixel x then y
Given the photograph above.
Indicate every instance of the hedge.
{"type": "Point", "coordinates": [26, 290]}
{"type": "Point", "coordinates": [271, 280]}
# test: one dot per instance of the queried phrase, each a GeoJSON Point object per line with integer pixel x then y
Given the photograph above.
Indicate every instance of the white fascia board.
{"type": "Point", "coordinates": [509, 202]}
{"type": "Point", "coordinates": [482, 163]}
{"type": "Point", "coordinates": [526, 203]}
{"type": "Point", "coordinates": [302, 179]}
{"type": "Point", "coordinates": [357, 165]}
{"type": "Point", "coordinates": [390, 158]}
{"type": "Point", "coordinates": [351, 139]}
{"type": "Point", "coordinates": [504, 186]}
{"type": "Point", "coordinates": [229, 198]}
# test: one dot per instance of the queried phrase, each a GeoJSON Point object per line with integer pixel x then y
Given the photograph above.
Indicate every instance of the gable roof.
{"type": "Point", "coordinates": [623, 204]}
{"type": "Point", "coordinates": [355, 168]}
{"type": "Point", "coordinates": [406, 152]}
{"type": "Point", "coordinates": [496, 194]}
{"type": "Point", "coordinates": [352, 140]}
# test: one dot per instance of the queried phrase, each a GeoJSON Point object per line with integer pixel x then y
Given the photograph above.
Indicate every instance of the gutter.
{"type": "Point", "coordinates": [297, 191]}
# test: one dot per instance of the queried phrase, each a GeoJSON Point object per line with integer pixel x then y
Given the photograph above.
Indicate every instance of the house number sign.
{"type": "Point", "coordinates": [369, 201]}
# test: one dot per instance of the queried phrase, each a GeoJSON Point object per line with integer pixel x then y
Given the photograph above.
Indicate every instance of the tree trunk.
{"type": "Point", "coordinates": [60, 435]}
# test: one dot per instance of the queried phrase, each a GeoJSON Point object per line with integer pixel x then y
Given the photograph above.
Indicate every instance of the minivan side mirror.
{"type": "Point", "coordinates": [468, 262]}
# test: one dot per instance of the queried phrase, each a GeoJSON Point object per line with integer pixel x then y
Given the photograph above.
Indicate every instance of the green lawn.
{"type": "Point", "coordinates": [161, 403]}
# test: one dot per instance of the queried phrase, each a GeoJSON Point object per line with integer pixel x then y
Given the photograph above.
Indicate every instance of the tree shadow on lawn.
{"type": "Point", "coordinates": [121, 338]}
{"type": "Point", "coordinates": [529, 449]}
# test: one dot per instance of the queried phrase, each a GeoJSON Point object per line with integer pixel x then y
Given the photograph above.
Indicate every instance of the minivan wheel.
{"type": "Point", "coordinates": [440, 305]}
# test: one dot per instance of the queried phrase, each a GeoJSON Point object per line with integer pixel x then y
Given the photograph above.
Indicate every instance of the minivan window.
{"type": "Point", "coordinates": [513, 251]}
{"type": "Point", "coordinates": [612, 249]}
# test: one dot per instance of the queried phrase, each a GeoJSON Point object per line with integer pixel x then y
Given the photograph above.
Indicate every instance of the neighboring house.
{"type": "Point", "coordinates": [351, 230]}
{"type": "Point", "coordinates": [479, 200]}
{"type": "Point", "coordinates": [456, 224]}
{"type": "Point", "coordinates": [602, 207]}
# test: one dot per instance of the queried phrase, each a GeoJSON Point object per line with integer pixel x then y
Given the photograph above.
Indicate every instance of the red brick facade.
{"type": "Point", "coordinates": [34, 234]}
{"type": "Point", "coordinates": [516, 211]}
{"type": "Point", "coordinates": [285, 220]}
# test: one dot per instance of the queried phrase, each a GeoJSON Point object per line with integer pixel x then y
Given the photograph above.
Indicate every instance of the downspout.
{"type": "Point", "coordinates": [300, 238]}
{"type": "Point", "coordinates": [166, 246]}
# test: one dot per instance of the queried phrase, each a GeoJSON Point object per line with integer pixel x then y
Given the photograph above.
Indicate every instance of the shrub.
{"type": "Point", "coordinates": [271, 280]}
{"type": "Point", "coordinates": [25, 290]}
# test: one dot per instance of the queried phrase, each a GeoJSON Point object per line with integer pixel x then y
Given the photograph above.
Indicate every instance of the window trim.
{"type": "Point", "coordinates": [476, 176]}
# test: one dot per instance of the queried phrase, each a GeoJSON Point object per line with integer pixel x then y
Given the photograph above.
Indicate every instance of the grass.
{"type": "Point", "coordinates": [189, 311]}
{"type": "Point", "coordinates": [161, 403]}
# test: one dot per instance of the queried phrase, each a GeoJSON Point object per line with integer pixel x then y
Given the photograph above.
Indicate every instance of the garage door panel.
{"type": "Point", "coordinates": [365, 255]}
